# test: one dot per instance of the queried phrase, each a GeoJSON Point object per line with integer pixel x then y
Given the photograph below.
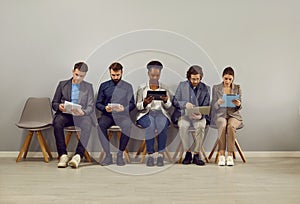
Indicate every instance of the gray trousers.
{"type": "Point", "coordinates": [184, 123]}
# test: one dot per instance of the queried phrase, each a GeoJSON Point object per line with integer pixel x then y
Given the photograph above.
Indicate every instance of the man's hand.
{"type": "Point", "coordinates": [77, 112]}
{"type": "Point", "coordinates": [189, 105]}
{"type": "Point", "coordinates": [108, 109]}
{"type": "Point", "coordinates": [61, 107]}
{"type": "Point", "coordinates": [119, 108]}
{"type": "Point", "coordinates": [195, 116]}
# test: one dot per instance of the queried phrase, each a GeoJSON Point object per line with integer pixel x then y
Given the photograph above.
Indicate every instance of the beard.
{"type": "Point", "coordinates": [116, 80]}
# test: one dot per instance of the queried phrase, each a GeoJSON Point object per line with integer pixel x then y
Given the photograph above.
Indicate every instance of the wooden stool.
{"type": "Point", "coordinates": [110, 131]}
{"type": "Point", "coordinates": [180, 149]}
{"type": "Point", "coordinates": [69, 131]}
{"type": "Point", "coordinates": [143, 148]}
{"type": "Point", "coordinates": [237, 146]}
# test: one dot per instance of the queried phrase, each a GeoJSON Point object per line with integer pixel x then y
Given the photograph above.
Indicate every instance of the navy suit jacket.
{"type": "Point", "coordinates": [185, 93]}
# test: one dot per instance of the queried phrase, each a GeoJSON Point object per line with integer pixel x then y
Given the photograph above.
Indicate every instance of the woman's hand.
{"type": "Point", "coordinates": [62, 107]}
{"type": "Point", "coordinates": [236, 102]}
{"type": "Point", "coordinates": [195, 116]}
{"type": "Point", "coordinates": [189, 105]}
{"type": "Point", "coordinates": [220, 102]}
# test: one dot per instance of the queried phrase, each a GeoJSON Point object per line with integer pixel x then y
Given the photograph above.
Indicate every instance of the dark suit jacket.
{"type": "Point", "coordinates": [184, 93]}
{"type": "Point", "coordinates": [86, 97]}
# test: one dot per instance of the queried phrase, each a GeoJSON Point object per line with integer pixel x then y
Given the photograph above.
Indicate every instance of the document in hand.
{"type": "Point", "coordinates": [69, 106]}
{"type": "Point", "coordinates": [227, 98]}
{"type": "Point", "coordinates": [114, 106]}
{"type": "Point", "coordinates": [204, 110]}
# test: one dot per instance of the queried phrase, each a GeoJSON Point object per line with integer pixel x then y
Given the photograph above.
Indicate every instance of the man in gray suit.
{"type": "Point", "coordinates": [191, 93]}
{"type": "Point", "coordinates": [79, 92]}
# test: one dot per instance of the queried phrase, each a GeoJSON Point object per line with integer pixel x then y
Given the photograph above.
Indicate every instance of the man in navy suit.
{"type": "Point", "coordinates": [115, 100]}
{"type": "Point", "coordinates": [80, 92]}
{"type": "Point", "coordinates": [189, 94]}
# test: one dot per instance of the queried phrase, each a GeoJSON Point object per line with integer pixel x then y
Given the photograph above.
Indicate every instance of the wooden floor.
{"type": "Point", "coordinates": [260, 180]}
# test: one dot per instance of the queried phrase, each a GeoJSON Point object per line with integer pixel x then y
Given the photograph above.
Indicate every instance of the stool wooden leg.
{"type": "Point", "coordinates": [217, 157]}
{"type": "Point", "coordinates": [39, 136]}
{"type": "Point", "coordinates": [68, 137]}
{"type": "Point", "coordinates": [141, 148]}
{"type": "Point", "coordinates": [240, 151]}
{"type": "Point", "coordinates": [213, 149]}
{"type": "Point", "coordinates": [25, 145]}
{"type": "Point", "coordinates": [168, 154]}
{"type": "Point", "coordinates": [177, 150]}
{"type": "Point", "coordinates": [204, 154]}
{"type": "Point", "coordinates": [144, 152]}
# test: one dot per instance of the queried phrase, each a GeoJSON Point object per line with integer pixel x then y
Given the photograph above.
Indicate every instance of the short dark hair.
{"type": "Point", "coordinates": [81, 66]}
{"type": "Point", "coordinates": [195, 69]}
{"type": "Point", "coordinates": [116, 66]}
{"type": "Point", "coordinates": [154, 64]}
{"type": "Point", "coordinates": [229, 71]}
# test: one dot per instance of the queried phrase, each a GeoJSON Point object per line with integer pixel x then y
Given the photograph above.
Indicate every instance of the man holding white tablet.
{"type": "Point", "coordinates": [115, 100]}
{"type": "Point", "coordinates": [191, 98]}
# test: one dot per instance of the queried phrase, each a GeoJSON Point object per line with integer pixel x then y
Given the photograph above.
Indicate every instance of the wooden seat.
{"type": "Point", "coordinates": [69, 131]}
{"type": "Point", "coordinates": [115, 129]}
{"type": "Point", "coordinates": [36, 116]}
{"type": "Point", "coordinates": [142, 149]}
{"type": "Point", "coordinates": [180, 149]}
{"type": "Point", "coordinates": [237, 146]}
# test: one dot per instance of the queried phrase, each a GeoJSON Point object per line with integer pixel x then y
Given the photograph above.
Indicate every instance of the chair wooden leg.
{"type": "Point", "coordinates": [217, 157]}
{"type": "Point", "coordinates": [39, 136]}
{"type": "Point", "coordinates": [178, 148]}
{"type": "Point", "coordinates": [68, 137]}
{"type": "Point", "coordinates": [25, 145]}
{"type": "Point", "coordinates": [240, 151]}
{"type": "Point", "coordinates": [213, 149]}
{"type": "Point", "coordinates": [168, 154]}
{"type": "Point", "coordinates": [87, 156]}
{"type": "Point", "coordinates": [204, 154]}
{"type": "Point", "coordinates": [141, 148]}
{"type": "Point", "coordinates": [47, 147]}
{"type": "Point", "coordinates": [233, 154]}
{"type": "Point", "coordinates": [27, 148]}
{"type": "Point", "coordinates": [144, 152]}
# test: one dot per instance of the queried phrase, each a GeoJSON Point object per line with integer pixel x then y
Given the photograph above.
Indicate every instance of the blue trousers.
{"type": "Point", "coordinates": [155, 121]}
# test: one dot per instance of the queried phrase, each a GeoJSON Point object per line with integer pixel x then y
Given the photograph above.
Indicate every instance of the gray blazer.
{"type": "Point", "coordinates": [184, 93]}
{"type": "Point", "coordinates": [86, 97]}
{"type": "Point", "coordinates": [142, 93]}
{"type": "Point", "coordinates": [217, 111]}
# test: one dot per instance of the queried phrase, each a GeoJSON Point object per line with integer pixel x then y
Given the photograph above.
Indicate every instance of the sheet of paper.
{"type": "Point", "coordinates": [204, 110]}
{"type": "Point", "coordinates": [69, 106]}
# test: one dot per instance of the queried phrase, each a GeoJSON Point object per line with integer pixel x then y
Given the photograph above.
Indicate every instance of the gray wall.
{"type": "Point", "coordinates": [41, 40]}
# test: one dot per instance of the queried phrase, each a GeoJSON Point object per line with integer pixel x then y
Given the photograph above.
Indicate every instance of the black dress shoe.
{"type": "Point", "coordinates": [160, 161]}
{"type": "Point", "coordinates": [197, 160]}
{"type": "Point", "coordinates": [120, 160]}
{"type": "Point", "coordinates": [188, 158]}
{"type": "Point", "coordinates": [150, 161]}
{"type": "Point", "coordinates": [107, 160]}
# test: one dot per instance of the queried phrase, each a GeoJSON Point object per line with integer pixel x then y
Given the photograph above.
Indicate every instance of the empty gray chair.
{"type": "Point", "coordinates": [36, 116]}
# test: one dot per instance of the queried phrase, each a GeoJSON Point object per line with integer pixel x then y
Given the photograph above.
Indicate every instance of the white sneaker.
{"type": "Point", "coordinates": [75, 161]}
{"type": "Point", "coordinates": [230, 161]}
{"type": "Point", "coordinates": [63, 161]}
{"type": "Point", "coordinates": [221, 160]}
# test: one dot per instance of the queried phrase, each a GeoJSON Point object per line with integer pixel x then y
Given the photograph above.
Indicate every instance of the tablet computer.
{"type": "Point", "coordinates": [204, 110]}
{"type": "Point", "coordinates": [156, 94]}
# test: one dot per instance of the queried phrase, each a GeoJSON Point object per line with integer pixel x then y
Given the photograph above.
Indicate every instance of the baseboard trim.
{"type": "Point", "coordinates": [96, 154]}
